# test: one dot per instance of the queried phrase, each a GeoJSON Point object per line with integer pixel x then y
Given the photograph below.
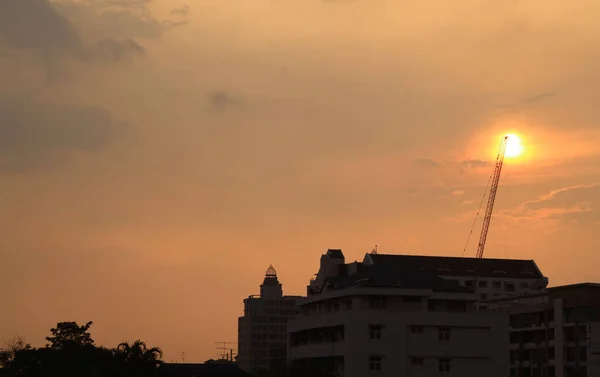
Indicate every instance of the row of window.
{"type": "Point", "coordinates": [497, 285]}
{"type": "Point", "coordinates": [375, 332]}
{"type": "Point", "coordinates": [376, 363]}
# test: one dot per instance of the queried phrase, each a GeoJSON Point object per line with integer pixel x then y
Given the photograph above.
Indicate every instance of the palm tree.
{"type": "Point", "coordinates": [140, 359]}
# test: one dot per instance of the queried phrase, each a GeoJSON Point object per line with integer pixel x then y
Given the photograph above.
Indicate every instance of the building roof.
{"type": "Point", "coordinates": [574, 286]}
{"type": "Point", "coordinates": [394, 276]}
{"type": "Point", "coordinates": [202, 370]}
{"type": "Point", "coordinates": [457, 266]}
{"type": "Point", "coordinates": [335, 253]}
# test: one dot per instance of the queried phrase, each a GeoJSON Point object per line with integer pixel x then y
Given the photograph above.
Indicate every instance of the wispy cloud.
{"type": "Point", "coordinates": [573, 203]}
{"type": "Point", "coordinates": [554, 193]}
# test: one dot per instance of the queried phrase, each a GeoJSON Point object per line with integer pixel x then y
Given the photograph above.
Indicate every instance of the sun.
{"type": "Point", "coordinates": [513, 146]}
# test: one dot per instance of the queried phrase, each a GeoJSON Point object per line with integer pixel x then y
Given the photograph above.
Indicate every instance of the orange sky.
{"type": "Point", "coordinates": [155, 159]}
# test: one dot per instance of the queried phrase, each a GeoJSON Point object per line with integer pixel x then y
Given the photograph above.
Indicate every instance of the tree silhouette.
{"type": "Point", "coordinates": [71, 353]}
{"type": "Point", "coordinates": [138, 357]}
{"type": "Point", "coordinates": [70, 334]}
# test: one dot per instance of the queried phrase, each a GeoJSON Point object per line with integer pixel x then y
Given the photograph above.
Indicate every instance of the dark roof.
{"type": "Point", "coordinates": [202, 370]}
{"type": "Point", "coordinates": [394, 276]}
{"type": "Point", "coordinates": [456, 266]}
{"type": "Point", "coordinates": [574, 286]}
{"type": "Point", "coordinates": [335, 253]}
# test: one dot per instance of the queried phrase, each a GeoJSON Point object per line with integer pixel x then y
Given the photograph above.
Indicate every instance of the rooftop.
{"type": "Point", "coordinates": [458, 266]}
{"type": "Point", "coordinates": [395, 276]}
{"type": "Point", "coordinates": [202, 370]}
{"type": "Point", "coordinates": [335, 253]}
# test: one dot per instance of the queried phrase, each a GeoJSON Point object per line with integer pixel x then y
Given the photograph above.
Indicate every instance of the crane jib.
{"type": "Point", "coordinates": [492, 197]}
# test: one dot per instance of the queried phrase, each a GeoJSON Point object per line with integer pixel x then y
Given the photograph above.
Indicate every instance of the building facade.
{"type": "Point", "coordinates": [555, 333]}
{"type": "Point", "coordinates": [394, 319]}
{"type": "Point", "coordinates": [262, 330]}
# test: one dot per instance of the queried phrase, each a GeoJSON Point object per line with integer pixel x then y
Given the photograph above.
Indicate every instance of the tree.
{"type": "Point", "coordinates": [71, 353]}
{"type": "Point", "coordinates": [70, 334]}
{"type": "Point", "coordinates": [139, 359]}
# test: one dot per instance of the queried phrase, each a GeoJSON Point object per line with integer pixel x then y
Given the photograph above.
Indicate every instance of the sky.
{"type": "Point", "coordinates": [157, 156]}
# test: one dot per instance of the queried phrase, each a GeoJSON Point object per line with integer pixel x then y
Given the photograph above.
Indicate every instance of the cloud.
{"type": "Point", "coordinates": [121, 18]}
{"type": "Point", "coordinates": [576, 203]}
{"type": "Point", "coordinates": [183, 11]}
{"type": "Point", "coordinates": [35, 25]}
{"type": "Point", "coordinates": [109, 50]}
{"type": "Point", "coordinates": [34, 135]}
{"type": "Point", "coordinates": [457, 192]}
{"type": "Point", "coordinates": [49, 30]}
{"type": "Point", "coordinates": [539, 97]}
{"type": "Point", "coordinates": [221, 100]}
{"type": "Point", "coordinates": [426, 163]}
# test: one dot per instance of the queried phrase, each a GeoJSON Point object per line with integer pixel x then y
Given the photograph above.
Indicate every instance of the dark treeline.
{"type": "Point", "coordinates": [71, 352]}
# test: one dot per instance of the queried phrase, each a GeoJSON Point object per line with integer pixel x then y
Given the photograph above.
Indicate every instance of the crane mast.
{"type": "Point", "coordinates": [492, 197]}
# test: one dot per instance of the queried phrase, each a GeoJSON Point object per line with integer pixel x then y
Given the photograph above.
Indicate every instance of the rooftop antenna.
{"type": "Point", "coordinates": [374, 251]}
{"type": "Point", "coordinates": [226, 352]}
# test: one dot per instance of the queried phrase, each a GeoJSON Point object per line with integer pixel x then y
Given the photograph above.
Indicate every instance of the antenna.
{"type": "Point", "coordinates": [227, 352]}
{"type": "Point", "coordinates": [374, 251]}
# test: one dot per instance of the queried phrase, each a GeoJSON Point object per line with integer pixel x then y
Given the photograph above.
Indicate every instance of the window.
{"type": "Point", "coordinates": [375, 331]}
{"type": "Point", "coordinates": [482, 284]}
{"type": "Point", "coordinates": [416, 329]}
{"type": "Point", "coordinates": [444, 365]}
{"type": "Point", "coordinates": [497, 285]}
{"type": "Point", "coordinates": [375, 363]}
{"type": "Point", "coordinates": [416, 361]}
{"type": "Point", "coordinates": [377, 303]}
{"type": "Point", "coordinates": [444, 334]}
{"type": "Point", "coordinates": [348, 304]}
{"type": "Point", "coordinates": [469, 283]}
{"type": "Point", "coordinates": [509, 287]}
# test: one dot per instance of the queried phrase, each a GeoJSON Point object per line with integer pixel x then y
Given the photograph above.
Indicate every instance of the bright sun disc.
{"type": "Point", "coordinates": [513, 146]}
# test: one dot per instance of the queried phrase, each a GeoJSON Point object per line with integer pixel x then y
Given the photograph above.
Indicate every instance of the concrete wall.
{"type": "Point", "coordinates": [478, 344]}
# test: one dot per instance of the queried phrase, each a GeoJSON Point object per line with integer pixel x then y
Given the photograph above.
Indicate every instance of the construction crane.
{"type": "Point", "coordinates": [492, 197]}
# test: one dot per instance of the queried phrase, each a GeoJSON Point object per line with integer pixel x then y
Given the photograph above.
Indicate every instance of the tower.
{"type": "Point", "coordinates": [271, 288]}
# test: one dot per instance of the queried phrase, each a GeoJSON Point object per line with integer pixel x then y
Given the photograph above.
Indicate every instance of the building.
{"type": "Point", "coordinates": [488, 277]}
{"type": "Point", "coordinates": [395, 316]}
{"type": "Point", "coordinates": [214, 369]}
{"type": "Point", "coordinates": [262, 331]}
{"type": "Point", "coordinates": [555, 333]}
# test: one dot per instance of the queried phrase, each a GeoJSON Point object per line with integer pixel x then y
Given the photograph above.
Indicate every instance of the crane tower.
{"type": "Point", "coordinates": [492, 197]}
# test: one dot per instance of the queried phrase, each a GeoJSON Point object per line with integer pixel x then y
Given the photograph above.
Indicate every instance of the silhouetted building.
{"type": "Point", "coordinates": [554, 333]}
{"type": "Point", "coordinates": [397, 316]}
{"type": "Point", "coordinates": [202, 370]}
{"type": "Point", "coordinates": [262, 331]}
{"type": "Point", "coordinates": [489, 278]}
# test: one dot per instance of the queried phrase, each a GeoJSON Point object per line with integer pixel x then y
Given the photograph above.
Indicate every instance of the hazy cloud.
{"type": "Point", "coordinates": [221, 100]}
{"type": "Point", "coordinates": [426, 163]}
{"type": "Point", "coordinates": [111, 28]}
{"type": "Point", "coordinates": [183, 11]}
{"type": "Point", "coordinates": [474, 164]}
{"type": "Point", "coordinates": [573, 203]}
{"type": "Point", "coordinates": [35, 25]}
{"type": "Point", "coordinates": [120, 18]}
{"type": "Point", "coordinates": [457, 192]}
{"type": "Point", "coordinates": [531, 99]}
{"type": "Point", "coordinates": [35, 135]}
{"type": "Point", "coordinates": [109, 50]}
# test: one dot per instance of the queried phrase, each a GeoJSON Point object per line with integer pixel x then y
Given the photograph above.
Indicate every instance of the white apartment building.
{"type": "Point", "coordinates": [262, 330]}
{"type": "Point", "coordinates": [383, 317]}
{"type": "Point", "coordinates": [555, 333]}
